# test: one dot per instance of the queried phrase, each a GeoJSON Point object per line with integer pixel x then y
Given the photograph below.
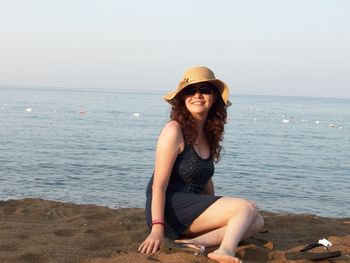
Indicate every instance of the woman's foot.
{"type": "Point", "coordinates": [191, 243]}
{"type": "Point", "coordinates": [186, 241]}
{"type": "Point", "coordinates": [223, 257]}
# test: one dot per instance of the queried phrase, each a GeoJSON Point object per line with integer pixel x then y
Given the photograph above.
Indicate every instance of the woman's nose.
{"type": "Point", "coordinates": [198, 94]}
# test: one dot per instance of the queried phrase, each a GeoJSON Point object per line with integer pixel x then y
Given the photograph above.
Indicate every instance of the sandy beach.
{"type": "Point", "coordinates": [40, 231]}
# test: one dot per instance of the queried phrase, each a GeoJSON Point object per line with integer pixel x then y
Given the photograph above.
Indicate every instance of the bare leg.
{"type": "Point", "coordinates": [228, 220]}
{"type": "Point", "coordinates": [214, 238]}
{"type": "Point", "coordinates": [235, 229]}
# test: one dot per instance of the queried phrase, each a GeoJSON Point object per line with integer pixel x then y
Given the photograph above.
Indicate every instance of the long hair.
{"type": "Point", "coordinates": [213, 128]}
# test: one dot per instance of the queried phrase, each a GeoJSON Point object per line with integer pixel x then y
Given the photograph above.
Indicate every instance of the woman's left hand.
{"type": "Point", "coordinates": [153, 241]}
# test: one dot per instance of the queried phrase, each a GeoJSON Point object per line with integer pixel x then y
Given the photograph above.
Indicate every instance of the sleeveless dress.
{"type": "Point", "coordinates": [184, 199]}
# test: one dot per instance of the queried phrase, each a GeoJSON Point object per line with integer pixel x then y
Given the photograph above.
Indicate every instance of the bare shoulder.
{"type": "Point", "coordinates": [172, 126]}
{"type": "Point", "coordinates": [172, 135]}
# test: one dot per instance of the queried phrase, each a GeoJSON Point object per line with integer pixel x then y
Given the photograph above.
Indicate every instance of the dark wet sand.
{"type": "Point", "coordinates": [40, 231]}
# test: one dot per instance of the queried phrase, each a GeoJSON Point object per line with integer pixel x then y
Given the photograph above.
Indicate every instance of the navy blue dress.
{"type": "Point", "coordinates": [184, 199]}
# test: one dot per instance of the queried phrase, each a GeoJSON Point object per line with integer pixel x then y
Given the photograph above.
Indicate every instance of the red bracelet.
{"type": "Point", "coordinates": [157, 222]}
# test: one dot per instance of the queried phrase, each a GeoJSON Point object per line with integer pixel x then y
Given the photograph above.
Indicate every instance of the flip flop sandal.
{"type": "Point", "coordinates": [171, 247]}
{"type": "Point", "coordinates": [303, 254]}
{"type": "Point", "coordinates": [312, 256]}
{"type": "Point", "coordinates": [200, 249]}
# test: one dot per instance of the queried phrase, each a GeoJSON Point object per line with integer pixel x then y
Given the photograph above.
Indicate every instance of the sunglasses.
{"type": "Point", "coordinates": [204, 89]}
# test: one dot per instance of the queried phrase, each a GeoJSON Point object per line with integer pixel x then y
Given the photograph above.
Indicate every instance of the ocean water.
{"type": "Point", "coordinates": [289, 154]}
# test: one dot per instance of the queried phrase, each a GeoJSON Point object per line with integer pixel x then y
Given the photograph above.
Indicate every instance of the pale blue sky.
{"type": "Point", "coordinates": [272, 47]}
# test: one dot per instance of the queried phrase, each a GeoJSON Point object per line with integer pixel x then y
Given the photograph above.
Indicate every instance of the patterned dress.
{"type": "Point", "coordinates": [184, 199]}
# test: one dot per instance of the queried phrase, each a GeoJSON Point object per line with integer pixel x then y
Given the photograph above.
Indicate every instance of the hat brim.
{"type": "Point", "coordinates": [219, 84]}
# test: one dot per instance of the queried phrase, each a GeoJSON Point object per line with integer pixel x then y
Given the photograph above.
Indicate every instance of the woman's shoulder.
{"type": "Point", "coordinates": [172, 133]}
{"type": "Point", "coordinates": [172, 127]}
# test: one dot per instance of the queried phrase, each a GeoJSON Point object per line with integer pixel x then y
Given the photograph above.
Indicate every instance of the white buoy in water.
{"type": "Point", "coordinates": [286, 121]}
{"type": "Point", "coordinates": [28, 109]}
{"type": "Point", "coordinates": [136, 114]}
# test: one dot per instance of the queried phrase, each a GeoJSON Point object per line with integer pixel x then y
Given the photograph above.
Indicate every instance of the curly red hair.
{"type": "Point", "coordinates": [213, 128]}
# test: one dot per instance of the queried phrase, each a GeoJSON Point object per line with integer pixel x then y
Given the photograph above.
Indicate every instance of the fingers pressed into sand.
{"type": "Point", "coordinates": [149, 247]}
{"type": "Point", "coordinates": [156, 247]}
{"type": "Point", "coordinates": [140, 249]}
{"type": "Point", "coordinates": [223, 258]}
{"type": "Point", "coordinates": [153, 248]}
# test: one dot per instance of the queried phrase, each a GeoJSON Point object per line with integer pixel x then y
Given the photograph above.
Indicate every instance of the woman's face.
{"type": "Point", "coordinates": [199, 98]}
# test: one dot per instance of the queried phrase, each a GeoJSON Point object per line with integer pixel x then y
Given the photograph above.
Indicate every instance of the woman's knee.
{"type": "Point", "coordinates": [252, 207]}
{"type": "Point", "coordinates": [255, 227]}
{"type": "Point", "coordinates": [259, 222]}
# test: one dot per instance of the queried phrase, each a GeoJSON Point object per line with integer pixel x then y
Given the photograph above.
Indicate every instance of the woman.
{"type": "Point", "coordinates": [181, 204]}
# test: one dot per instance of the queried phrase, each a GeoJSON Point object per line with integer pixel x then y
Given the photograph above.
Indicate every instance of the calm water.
{"type": "Point", "coordinates": [288, 154]}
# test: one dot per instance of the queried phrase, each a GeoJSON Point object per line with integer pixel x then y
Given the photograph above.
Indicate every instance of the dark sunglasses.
{"type": "Point", "coordinates": [204, 89]}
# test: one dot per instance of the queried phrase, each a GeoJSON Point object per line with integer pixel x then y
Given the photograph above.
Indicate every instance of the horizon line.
{"type": "Point", "coordinates": [109, 89]}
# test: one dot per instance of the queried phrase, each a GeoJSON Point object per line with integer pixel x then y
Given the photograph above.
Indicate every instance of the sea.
{"type": "Point", "coordinates": [96, 146]}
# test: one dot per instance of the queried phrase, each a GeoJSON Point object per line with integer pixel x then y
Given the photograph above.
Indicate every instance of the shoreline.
{"type": "Point", "coordinates": [38, 230]}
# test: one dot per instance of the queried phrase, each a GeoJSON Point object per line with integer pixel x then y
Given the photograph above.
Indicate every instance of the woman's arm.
{"type": "Point", "coordinates": [209, 188]}
{"type": "Point", "coordinates": [170, 144]}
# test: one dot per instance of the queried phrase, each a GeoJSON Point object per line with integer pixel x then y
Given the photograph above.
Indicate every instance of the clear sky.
{"type": "Point", "coordinates": [271, 47]}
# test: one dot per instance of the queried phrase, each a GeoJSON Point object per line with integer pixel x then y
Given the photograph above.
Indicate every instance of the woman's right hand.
{"type": "Point", "coordinates": [153, 241]}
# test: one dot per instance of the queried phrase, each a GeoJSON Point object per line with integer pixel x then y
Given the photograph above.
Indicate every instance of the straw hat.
{"type": "Point", "coordinates": [197, 75]}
